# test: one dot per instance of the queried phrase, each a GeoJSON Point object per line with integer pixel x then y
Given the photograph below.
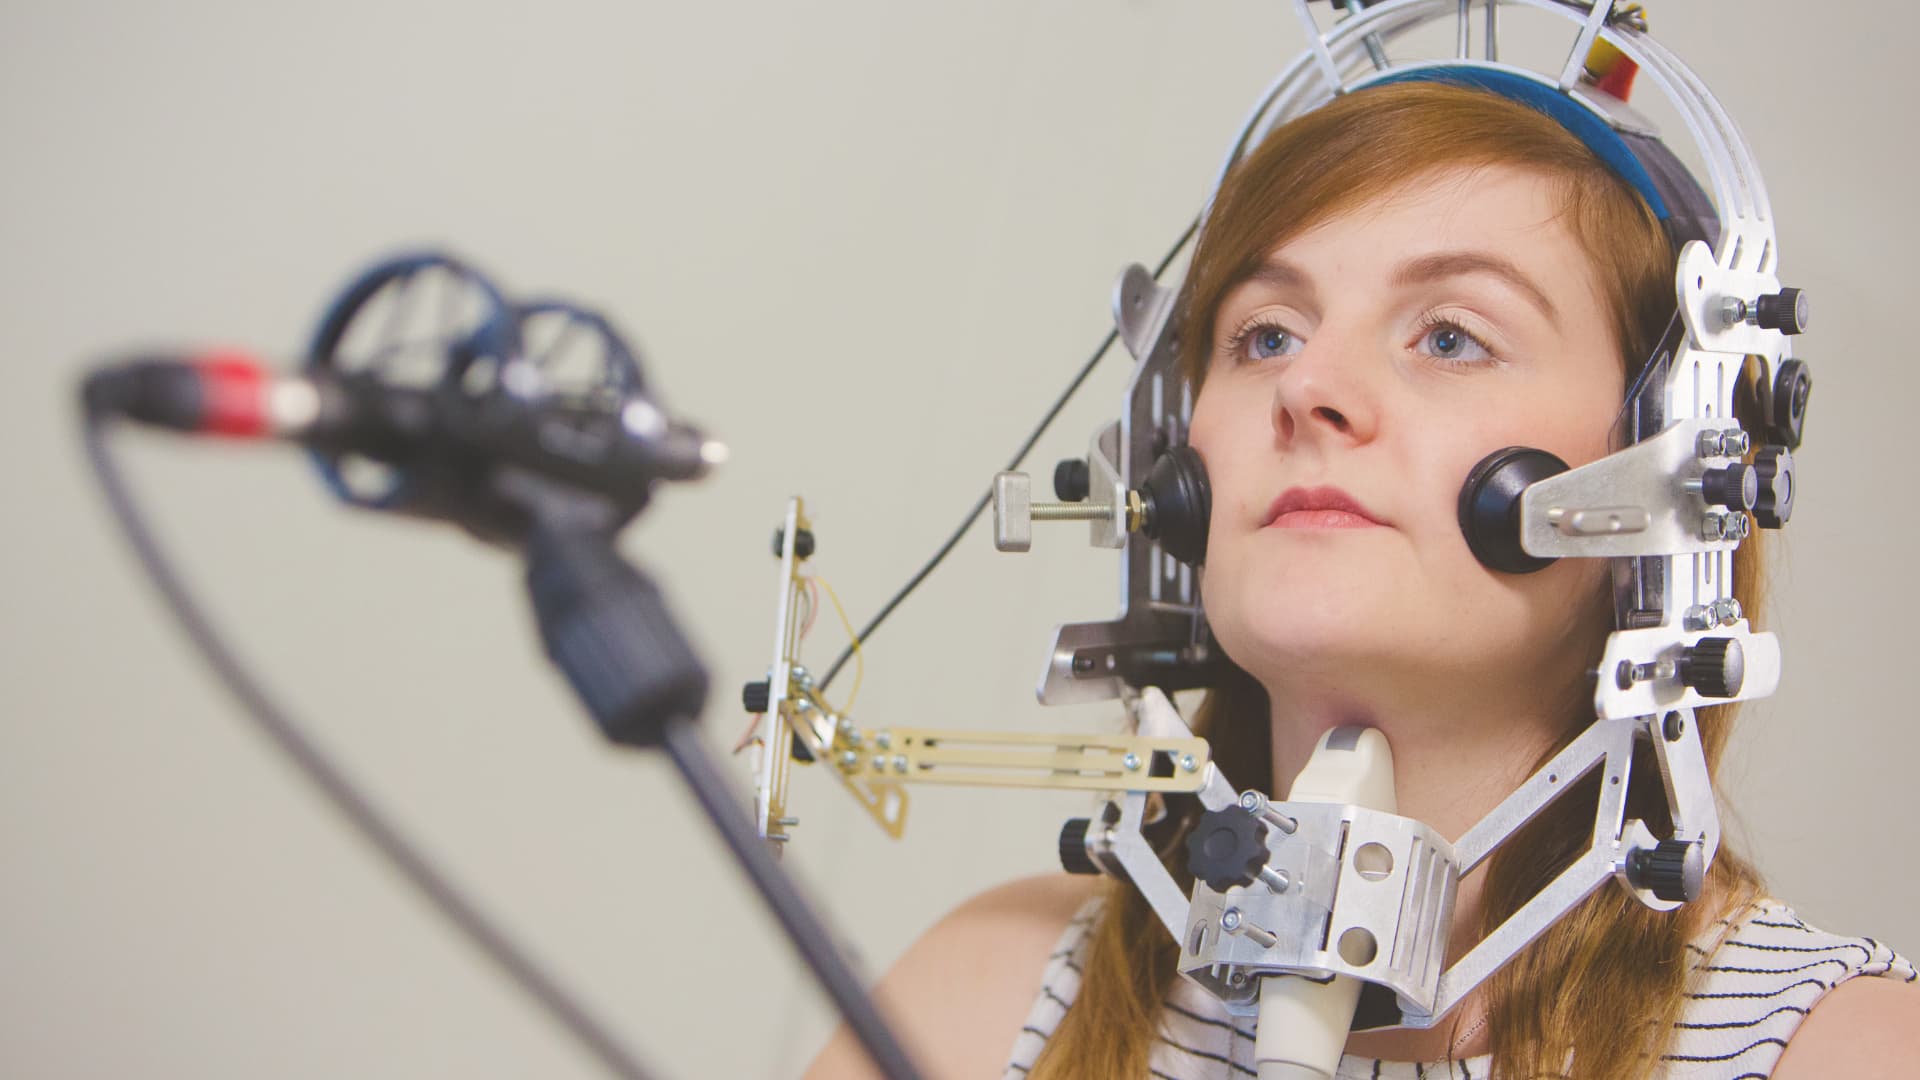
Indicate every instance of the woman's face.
{"type": "Point", "coordinates": [1354, 382]}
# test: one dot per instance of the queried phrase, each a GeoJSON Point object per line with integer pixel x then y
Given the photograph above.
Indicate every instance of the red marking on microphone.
{"type": "Point", "coordinates": [235, 385]}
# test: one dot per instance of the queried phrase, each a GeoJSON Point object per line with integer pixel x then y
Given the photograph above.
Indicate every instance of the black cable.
{"type": "Point", "coordinates": [338, 789]}
{"type": "Point", "coordinates": [1019, 456]}
{"type": "Point", "coordinates": [710, 786]}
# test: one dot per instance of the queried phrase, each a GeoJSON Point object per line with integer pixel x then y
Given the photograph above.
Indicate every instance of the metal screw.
{"type": "Point", "coordinates": [1255, 803]}
{"type": "Point", "coordinates": [899, 763]}
{"type": "Point", "coordinates": [879, 763]}
{"type": "Point", "coordinates": [883, 740]}
{"type": "Point", "coordinates": [1236, 978]}
{"type": "Point", "coordinates": [854, 738]}
{"type": "Point", "coordinates": [1673, 727]}
{"type": "Point", "coordinates": [1277, 880]}
{"type": "Point", "coordinates": [1713, 527]}
{"type": "Point", "coordinates": [1630, 672]}
{"type": "Point", "coordinates": [1709, 444]}
{"type": "Point", "coordinates": [802, 678]}
{"type": "Point", "coordinates": [1738, 526]}
{"type": "Point", "coordinates": [849, 759]}
{"type": "Point", "coordinates": [1131, 762]}
{"type": "Point", "coordinates": [1187, 762]}
{"type": "Point", "coordinates": [789, 822]}
{"type": "Point", "coordinates": [1736, 443]}
{"type": "Point", "coordinates": [1234, 923]}
{"type": "Point", "coordinates": [1733, 310]}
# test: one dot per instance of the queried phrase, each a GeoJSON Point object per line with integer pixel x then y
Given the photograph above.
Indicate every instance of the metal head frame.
{"type": "Point", "coordinates": [1670, 508]}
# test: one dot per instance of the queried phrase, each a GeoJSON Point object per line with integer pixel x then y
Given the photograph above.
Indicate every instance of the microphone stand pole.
{"type": "Point", "coordinates": [607, 628]}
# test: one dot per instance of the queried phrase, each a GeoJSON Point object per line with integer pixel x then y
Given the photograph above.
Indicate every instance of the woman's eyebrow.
{"type": "Point", "coordinates": [1281, 274]}
{"type": "Point", "coordinates": [1448, 264]}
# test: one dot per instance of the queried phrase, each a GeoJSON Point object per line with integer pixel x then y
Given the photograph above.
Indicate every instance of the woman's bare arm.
{"type": "Point", "coordinates": [1864, 1029]}
{"type": "Point", "coordinates": [959, 994]}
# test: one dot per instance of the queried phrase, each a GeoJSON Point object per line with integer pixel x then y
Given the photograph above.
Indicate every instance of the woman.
{"type": "Point", "coordinates": [1388, 289]}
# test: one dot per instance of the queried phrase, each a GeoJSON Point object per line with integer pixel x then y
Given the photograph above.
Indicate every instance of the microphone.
{"type": "Point", "coordinates": [615, 447]}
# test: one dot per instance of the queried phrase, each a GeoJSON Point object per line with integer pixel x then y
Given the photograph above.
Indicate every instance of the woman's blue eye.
{"type": "Point", "coordinates": [1448, 342]}
{"type": "Point", "coordinates": [1266, 342]}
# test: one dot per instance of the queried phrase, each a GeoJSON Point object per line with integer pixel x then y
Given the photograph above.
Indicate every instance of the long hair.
{"type": "Point", "coordinates": [1564, 997]}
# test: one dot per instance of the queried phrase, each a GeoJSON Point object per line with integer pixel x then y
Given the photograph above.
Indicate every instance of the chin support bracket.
{"type": "Point", "coordinates": [1339, 889]}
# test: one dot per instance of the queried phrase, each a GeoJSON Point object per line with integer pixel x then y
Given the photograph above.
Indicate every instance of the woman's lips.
{"type": "Point", "coordinates": [1318, 508]}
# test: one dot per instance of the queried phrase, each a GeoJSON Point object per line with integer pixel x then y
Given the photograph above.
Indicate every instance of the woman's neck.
{"type": "Point", "coordinates": [1458, 751]}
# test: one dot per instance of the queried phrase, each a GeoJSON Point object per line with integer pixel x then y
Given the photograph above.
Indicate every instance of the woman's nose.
{"type": "Point", "coordinates": [1323, 396]}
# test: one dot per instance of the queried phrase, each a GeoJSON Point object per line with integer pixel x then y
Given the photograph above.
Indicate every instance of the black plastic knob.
{"type": "Point", "coordinates": [1792, 384]}
{"type": "Point", "coordinates": [802, 543]}
{"type": "Point", "coordinates": [1786, 311]}
{"type": "Point", "coordinates": [756, 696]}
{"type": "Point", "coordinates": [1074, 857]}
{"type": "Point", "coordinates": [1490, 506]}
{"type": "Point", "coordinates": [1072, 480]}
{"type": "Point", "coordinates": [1673, 870]}
{"type": "Point", "coordinates": [1227, 848]}
{"type": "Point", "coordinates": [1773, 465]}
{"type": "Point", "coordinates": [1178, 504]}
{"type": "Point", "coordinates": [1736, 487]}
{"type": "Point", "coordinates": [1714, 667]}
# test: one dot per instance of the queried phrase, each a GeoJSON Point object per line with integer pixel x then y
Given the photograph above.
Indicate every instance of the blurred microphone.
{"type": "Point", "coordinates": [617, 448]}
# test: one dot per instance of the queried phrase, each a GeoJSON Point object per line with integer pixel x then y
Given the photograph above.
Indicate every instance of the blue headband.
{"type": "Point", "coordinates": [1570, 114]}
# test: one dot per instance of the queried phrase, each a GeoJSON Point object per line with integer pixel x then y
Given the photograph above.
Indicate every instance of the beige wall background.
{"type": "Point", "coordinates": [865, 242]}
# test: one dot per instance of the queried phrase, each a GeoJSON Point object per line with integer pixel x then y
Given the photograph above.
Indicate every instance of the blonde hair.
{"type": "Point", "coordinates": [1563, 998]}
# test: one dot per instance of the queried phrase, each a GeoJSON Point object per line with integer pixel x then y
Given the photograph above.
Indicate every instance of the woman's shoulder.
{"type": "Point", "coordinates": [1767, 981]}
{"type": "Point", "coordinates": [960, 994]}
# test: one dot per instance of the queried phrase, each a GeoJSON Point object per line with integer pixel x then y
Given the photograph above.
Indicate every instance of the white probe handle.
{"type": "Point", "coordinates": [1304, 1024]}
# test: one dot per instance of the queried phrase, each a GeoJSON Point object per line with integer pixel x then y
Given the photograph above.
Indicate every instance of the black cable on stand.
{"type": "Point", "coordinates": [339, 789]}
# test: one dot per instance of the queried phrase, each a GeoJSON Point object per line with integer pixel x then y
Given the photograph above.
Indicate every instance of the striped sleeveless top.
{"type": "Point", "coordinates": [1754, 981]}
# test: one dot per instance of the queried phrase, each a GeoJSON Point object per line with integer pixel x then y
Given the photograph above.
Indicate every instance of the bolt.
{"type": "Point", "coordinates": [1236, 978]}
{"type": "Point", "coordinates": [1736, 443]}
{"type": "Point", "coordinates": [1709, 444]}
{"type": "Point", "coordinates": [1673, 727]}
{"type": "Point", "coordinates": [1187, 763]}
{"type": "Point", "coordinates": [1726, 611]}
{"type": "Point", "coordinates": [1713, 526]}
{"type": "Point", "coordinates": [1733, 310]}
{"type": "Point", "coordinates": [899, 763]}
{"type": "Point", "coordinates": [789, 822]}
{"type": "Point", "coordinates": [883, 740]}
{"type": "Point", "coordinates": [803, 705]}
{"type": "Point", "coordinates": [1255, 803]}
{"type": "Point", "coordinates": [1234, 923]}
{"type": "Point", "coordinates": [1132, 762]}
{"type": "Point", "coordinates": [802, 678]}
{"type": "Point", "coordinates": [1629, 672]}
{"type": "Point", "coordinates": [854, 738]}
{"type": "Point", "coordinates": [849, 759]}
{"type": "Point", "coordinates": [1738, 526]}
{"type": "Point", "coordinates": [1277, 880]}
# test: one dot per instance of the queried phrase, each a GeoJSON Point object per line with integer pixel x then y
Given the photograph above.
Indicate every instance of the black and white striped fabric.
{"type": "Point", "coordinates": [1754, 981]}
